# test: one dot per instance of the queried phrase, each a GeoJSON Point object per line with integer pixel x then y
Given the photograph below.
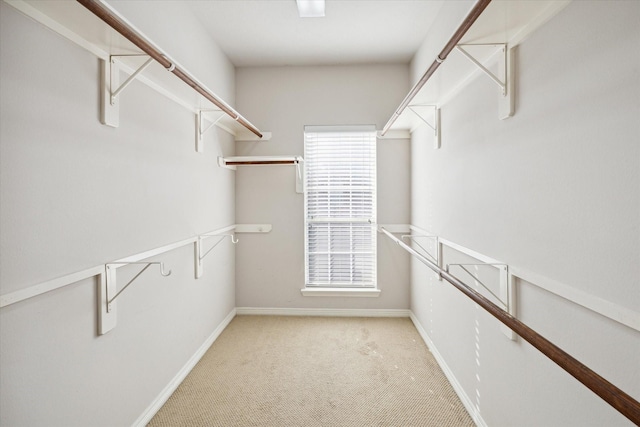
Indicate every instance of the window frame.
{"type": "Point", "coordinates": [370, 288]}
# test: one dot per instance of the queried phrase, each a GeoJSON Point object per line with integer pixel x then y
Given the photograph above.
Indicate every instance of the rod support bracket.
{"type": "Point", "coordinates": [299, 175]}
{"type": "Point", "coordinates": [505, 293]}
{"type": "Point", "coordinates": [111, 87]}
{"type": "Point", "coordinates": [202, 127]}
{"type": "Point", "coordinates": [415, 109]}
{"type": "Point", "coordinates": [108, 292]}
{"type": "Point", "coordinates": [199, 256]}
{"type": "Point", "coordinates": [113, 63]}
{"type": "Point", "coordinates": [505, 80]}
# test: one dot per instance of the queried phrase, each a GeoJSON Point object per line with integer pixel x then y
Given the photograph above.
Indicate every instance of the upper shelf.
{"type": "Point", "coordinates": [501, 23]}
{"type": "Point", "coordinates": [259, 160]}
{"type": "Point", "coordinates": [75, 22]}
{"type": "Point", "coordinates": [232, 162]}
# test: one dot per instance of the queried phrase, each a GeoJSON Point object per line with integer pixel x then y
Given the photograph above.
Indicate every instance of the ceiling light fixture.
{"type": "Point", "coordinates": [310, 8]}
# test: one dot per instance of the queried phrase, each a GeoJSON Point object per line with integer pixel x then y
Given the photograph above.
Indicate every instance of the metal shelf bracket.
{"type": "Point", "coordinates": [111, 87]}
{"type": "Point", "coordinates": [201, 128]}
{"type": "Point", "coordinates": [438, 253]}
{"type": "Point", "coordinates": [505, 83]}
{"type": "Point", "coordinates": [199, 256]}
{"type": "Point", "coordinates": [109, 292]}
{"type": "Point", "coordinates": [436, 121]}
{"type": "Point", "coordinates": [506, 295]}
{"type": "Point", "coordinates": [111, 278]}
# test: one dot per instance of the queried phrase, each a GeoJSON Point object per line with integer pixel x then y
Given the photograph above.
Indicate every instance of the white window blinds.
{"type": "Point", "coordinates": [340, 206]}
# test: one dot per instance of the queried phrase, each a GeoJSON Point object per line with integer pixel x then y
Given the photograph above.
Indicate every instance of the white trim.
{"type": "Point", "coordinates": [162, 398]}
{"type": "Point", "coordinates": [54, 25]}
{"type": "Point", "coordinates": [464, 398]}
{"type": "Point", "coordinates": [49, 285]}
{"type": "Point", "coordinates": [103, 49]}
{"type": "Point", "coordinates": [508, 290]}
{"type": "Point", "coordinates": [477, 255]}
{"type": "Point", "coordinates": [394, 134]}
{"type": "Point", "coordinates": [396, 228]}
{"type": "Point", "coordinates": [596, 304]}
{"type": "Point", "coordinates": [341, 292]}
{"type": "Point", "coordinates": [552, 9]}
{"type": "Point", "coordinates": [59, 28]}
{"type": "Point", "coordinates": [608, 309]}
{"type": "Point", "coordinates": [338, 129]}
{"type": "Point", "coordinates": [253, 228]}
{"type": "Point", "coordinates": [154, 252]}
{"type": "Point", "coordinates": [326, 312]}
{"type": "Point", "coordinates": [69, 279]}
{"type": "Point", "coordinates": [266, 136]}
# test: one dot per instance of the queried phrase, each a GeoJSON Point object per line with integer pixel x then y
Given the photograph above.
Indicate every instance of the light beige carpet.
{"type": "Point", "coordinates": [315, 371]}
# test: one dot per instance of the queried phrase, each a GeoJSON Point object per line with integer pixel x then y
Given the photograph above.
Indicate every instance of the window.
{"type": "Point", "coordinates": [340, 206]}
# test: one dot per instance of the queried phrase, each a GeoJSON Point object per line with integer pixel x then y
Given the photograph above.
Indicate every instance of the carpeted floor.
{"type": "Point", "coordinates": [315, 371]}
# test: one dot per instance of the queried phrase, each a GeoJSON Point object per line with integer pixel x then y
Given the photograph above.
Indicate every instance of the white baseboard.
{"type": "Point", "coordinates": [466, 401]}
{"type": "Point", "coordinates": [330, 312]}
{"type": "Point", "coordinates": [162, 398]}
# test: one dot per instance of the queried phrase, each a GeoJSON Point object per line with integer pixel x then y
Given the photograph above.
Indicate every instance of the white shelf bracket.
{"type": "Point", "coordinates": [239, 228]}
{"type": "Point", "coordinates": [111, 87]}
{"type": "Point", "coordinates": [506, 83]}
{"type": "Point", "coordinates": [299, 175]}
{"type": "Point", "coordinates": [436, 121]}
{"type": "Point", "coordinates": [506, 294]}
{"type": "Point", "coordinates": [496, 80]}
{"type": "Point", "coordinates": [109, 292]}
{"type": "Point", "coordinates": [436, 257]}
{"type": "Point", "coordinates": [426, 253]}
{"type": "Point", "coordinates": [199, 256]}
{"type": "Point", "coordinates": [201, 128]}
{"type": "Point", "coordinates": [439, 249]}
{"type": "Point", "coordinates": [106, 319]}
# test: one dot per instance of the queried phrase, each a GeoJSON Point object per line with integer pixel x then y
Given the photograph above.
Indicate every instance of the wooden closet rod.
{"type": "Point", "coordinates": [103, 12]}
{"type": "Point", "coordinates": [477, 10]}
{"type": "Point", "coordinates": [611, 394]}
{"type": "Point", "coordinates": [260, 162]}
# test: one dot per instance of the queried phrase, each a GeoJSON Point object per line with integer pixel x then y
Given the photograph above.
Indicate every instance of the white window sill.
{"type": "Point", "coordinates": [340, 292]}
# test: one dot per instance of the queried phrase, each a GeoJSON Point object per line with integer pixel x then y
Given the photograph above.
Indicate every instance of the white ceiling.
{"type": "Point", "coordinates": [270, 33]}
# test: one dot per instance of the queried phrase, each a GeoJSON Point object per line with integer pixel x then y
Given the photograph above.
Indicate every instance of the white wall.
{"type": "Point", "coordinates": [554, 190]}
{"type": "Point", "coordinates": [76, 194]}
{"type": "Point", "coordinates": [270, 268]}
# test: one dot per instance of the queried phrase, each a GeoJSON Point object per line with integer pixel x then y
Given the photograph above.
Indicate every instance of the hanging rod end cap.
{"type": "Point", "coordinates": [171, 66]}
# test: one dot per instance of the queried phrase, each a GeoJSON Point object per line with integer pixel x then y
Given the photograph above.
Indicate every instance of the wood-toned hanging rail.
{"type": "Point", "coordinates": [260, 162]}
{"type": "Point", "coordinates": [611, 394]}
{"type": "Point", "coordinates": [477, 10]}
{"type": "Point", "coordinates": [103, 12]}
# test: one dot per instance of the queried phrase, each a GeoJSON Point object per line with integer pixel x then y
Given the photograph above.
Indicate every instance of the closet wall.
{"type": "Point", "coordinates": [270, 267]}
{"type": "Point", "coordinates": [76, 194]}
{"type": "Point", "coordinates": [554, 190]}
